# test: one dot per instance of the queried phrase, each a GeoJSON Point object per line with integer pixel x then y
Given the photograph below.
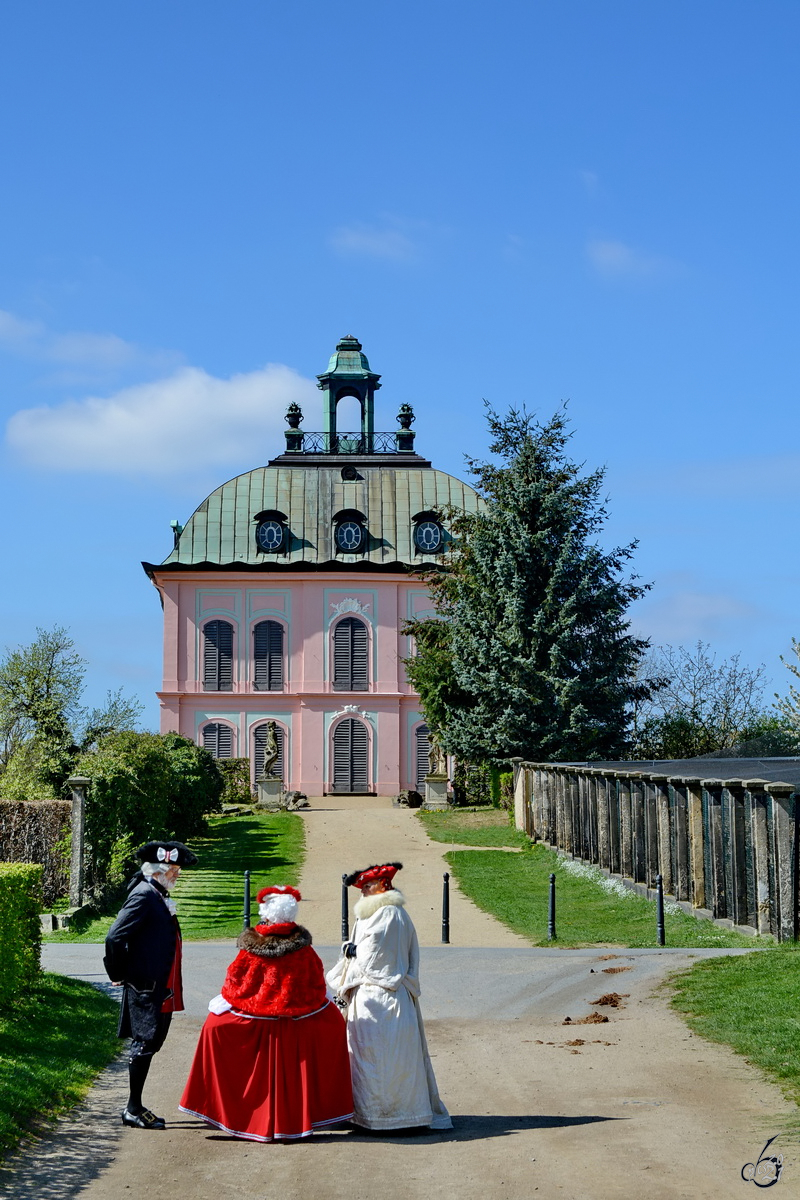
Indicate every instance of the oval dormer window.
{"type": "Point", "coordinates": [428, 537]}
{"type": "Point", "coordinates": [269, 535]}
{"type": "Point", "coordinates": [349, 536]}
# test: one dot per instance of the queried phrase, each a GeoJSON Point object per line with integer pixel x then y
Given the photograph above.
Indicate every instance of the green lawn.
{"type": "Point", "coordinates": [210, 896]}
{"type": "Point", "coordinates": [473, 827]}
{"type": "Point", "coordinates": [590, 908]}
{"type": "Point", "coordinates": [53, 1041]}
{"type": "Point", "coordinates": [752, 1003]}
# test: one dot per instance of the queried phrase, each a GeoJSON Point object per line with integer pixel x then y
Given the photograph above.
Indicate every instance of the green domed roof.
{"type": "Point", "coordinates": [222, 532]}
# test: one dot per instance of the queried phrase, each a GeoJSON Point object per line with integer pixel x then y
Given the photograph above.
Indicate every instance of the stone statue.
{"type": "Point", "coordinates": [437, 762]}
{"type": "Point", "coordinates": [270, 752]}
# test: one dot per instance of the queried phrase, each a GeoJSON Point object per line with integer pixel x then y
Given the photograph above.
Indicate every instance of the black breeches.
{"type": "Point", "coordinates": [147, 1047]}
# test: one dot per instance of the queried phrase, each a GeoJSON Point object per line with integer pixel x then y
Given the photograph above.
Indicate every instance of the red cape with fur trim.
{"type": "Point", "coordinates": [276, 973]}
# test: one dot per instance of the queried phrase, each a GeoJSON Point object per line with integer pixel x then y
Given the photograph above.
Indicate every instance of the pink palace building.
{"type": "Point", "coordinates": [286, 591]}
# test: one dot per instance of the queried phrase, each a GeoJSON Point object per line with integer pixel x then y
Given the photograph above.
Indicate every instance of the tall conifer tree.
{"type": "Point", "coordinates": [531, 653]}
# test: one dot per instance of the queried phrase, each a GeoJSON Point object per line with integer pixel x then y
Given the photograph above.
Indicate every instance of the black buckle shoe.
{"type": "Point", "coordinates": [143, 1120]}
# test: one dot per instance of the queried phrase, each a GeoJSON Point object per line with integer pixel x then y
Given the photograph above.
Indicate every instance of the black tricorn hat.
{"type": "Point", "coordinates": [168, 853]}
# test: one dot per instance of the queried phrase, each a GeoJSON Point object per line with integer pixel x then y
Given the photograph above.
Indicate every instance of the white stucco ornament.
{"type": "Point", "coordinates": [349, 604]}
{"type": "Point", "coordinates": [351, 708]}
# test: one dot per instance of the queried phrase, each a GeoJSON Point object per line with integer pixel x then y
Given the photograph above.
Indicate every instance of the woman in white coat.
{"type": "Point", "coordinates": [377, 978]}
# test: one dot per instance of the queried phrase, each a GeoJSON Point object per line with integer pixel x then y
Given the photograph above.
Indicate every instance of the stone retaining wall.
{"type": "Point", "coordinates": [728, 847]}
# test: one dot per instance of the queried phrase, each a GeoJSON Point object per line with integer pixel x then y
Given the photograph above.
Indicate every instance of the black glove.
{"type": "Point", "coordinates": [349, 949]}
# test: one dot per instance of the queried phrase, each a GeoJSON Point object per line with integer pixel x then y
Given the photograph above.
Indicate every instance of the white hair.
{"type": "Point", "coordinates": [151, 869]}
{"type": "Point", "coordinates": [277, 907]}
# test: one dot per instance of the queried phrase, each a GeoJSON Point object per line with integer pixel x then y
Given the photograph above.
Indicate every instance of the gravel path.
{"type": "Point", "coordinates": [633, 1106]}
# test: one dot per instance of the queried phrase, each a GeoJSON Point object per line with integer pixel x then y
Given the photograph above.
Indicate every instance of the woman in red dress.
{"type": "Point", "coordinates": [272, 1061]}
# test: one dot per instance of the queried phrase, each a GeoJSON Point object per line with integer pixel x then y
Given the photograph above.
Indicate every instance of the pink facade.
{"type": "Point", "coordinates": [308, 607]}
{"type": "Point", "coordinates": [286, 593]}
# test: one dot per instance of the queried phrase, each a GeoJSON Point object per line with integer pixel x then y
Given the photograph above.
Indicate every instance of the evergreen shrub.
{"type": "Point", "coordinates": [20, 928]}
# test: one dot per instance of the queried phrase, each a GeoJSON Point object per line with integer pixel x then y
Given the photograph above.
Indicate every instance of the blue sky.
{"type": "Point", "coordinates": [527, 202]}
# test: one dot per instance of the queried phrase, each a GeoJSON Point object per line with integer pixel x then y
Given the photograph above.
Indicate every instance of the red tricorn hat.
{"type": "Point", "coordinates": [278, 891]}
{"type": "Point", "coordinates": [386, 871]}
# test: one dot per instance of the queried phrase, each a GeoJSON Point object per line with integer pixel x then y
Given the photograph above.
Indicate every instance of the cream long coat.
{"type": "Point", "coordinates": [393, 1082]}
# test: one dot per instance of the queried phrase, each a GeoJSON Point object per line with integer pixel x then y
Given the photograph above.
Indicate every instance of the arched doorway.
{"type": "Point", "coordinates": [350, 756]}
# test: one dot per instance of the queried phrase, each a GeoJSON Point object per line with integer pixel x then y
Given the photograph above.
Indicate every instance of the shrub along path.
{"type": "Point", "coordinates": [635, 1105]}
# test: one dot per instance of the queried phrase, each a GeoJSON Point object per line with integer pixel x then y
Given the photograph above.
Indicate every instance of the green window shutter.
{"type": "Point", "coordinates": [268, 656]}
{"type": "Point", "coordinates": [218, 656]}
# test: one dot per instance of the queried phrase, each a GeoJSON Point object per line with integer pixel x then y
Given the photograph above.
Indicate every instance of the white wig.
{"type": "Point", "coordinates": [276, 908]}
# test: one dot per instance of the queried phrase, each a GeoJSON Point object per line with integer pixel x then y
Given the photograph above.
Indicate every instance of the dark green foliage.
{"type": "Point", "coordinates": [532, 655]}
{"type": "Point", "coordinates": [20, 928]}
{"type": "Point", "coordinates": [471, 784]}
{"type": "Point", "coordinates": [58, 1035]}
{"type": "Point", "coordinates": [37, 831]}
{"type": "Point", "coordinates": [236, 774]}
{"type": "Point", "coordinates": [144, 786]}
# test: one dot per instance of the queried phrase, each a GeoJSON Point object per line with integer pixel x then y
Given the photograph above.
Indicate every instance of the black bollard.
{"type": "Point", "coordinates": [446, 908]}
{"type": "Point", "coordinates": [247, 900]}
{"type": "Point", "coordinates": [551, 911]}
{"type": "Point", "coordinates": [345, 913]}
{"type": "Point", "coordinates": [660, 933]}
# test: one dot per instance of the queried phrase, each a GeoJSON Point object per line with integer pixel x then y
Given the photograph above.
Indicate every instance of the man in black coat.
{"type": "Point", "coordinates": [143, 952]}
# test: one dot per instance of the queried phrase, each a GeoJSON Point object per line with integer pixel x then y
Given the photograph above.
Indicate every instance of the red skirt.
{"type": "Point", "coordinates": [271, 1077]}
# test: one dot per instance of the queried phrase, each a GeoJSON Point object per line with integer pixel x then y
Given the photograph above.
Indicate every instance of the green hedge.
{"type": "Point", "coordinates": [20, 928]}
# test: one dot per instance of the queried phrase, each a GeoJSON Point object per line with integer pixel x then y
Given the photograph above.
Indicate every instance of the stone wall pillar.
{"type": "Point", "coordinates": [682, 880]}
{"type": "Point", "coordinates": [650, 831]}
{"type": "Point", "coordinates": [696, 840]}
{"type": "Point", "coordinates": [756, 803]}
{"type": "Point", "coordinates": [626, 854]}
{"type": "Point", "coordinates": [78, 785]}
{"type": "Point", "coordinates": [638, 823]}
{"type": "Point", "coordinates": [660, 786]}
{"type": "Point", "coordinates": [603, 828]}
{"type": "Point", "coordinates": [717, 900]}
{"type": "Point", "coordinates": [782, 798]}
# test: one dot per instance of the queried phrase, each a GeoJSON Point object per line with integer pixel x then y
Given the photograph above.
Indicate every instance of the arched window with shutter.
{"type": "Point", "coordinates": [218, 656]}
{"type": "Point", "coordinates": [268, 656]}
{"type": "Point", "coordinates": [218, 739]}
{"type": "Point", "coordinates": [259, 742]}
{"type": "Point", "coordinates": [422, 749]}
{"type": "Point", "coordinates": [350, 756]}
{"type": "Point", "coordinates": [350, 656]}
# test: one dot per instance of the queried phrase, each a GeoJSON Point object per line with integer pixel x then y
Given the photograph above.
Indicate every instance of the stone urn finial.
{"type": "Point", "coordinates": [294, 415]}
{"type": "Point", "coordinates": [405, 416]}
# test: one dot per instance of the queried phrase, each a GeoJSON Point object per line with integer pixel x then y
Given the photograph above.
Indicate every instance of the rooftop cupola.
{"type": "Point", "coordinates": [348, 374]}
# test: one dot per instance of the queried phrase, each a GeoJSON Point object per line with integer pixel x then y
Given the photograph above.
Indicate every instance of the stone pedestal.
{"type": "Point", "coordinates": [270, 794]}
{"type": "Point", "coordinates": [435, 792]}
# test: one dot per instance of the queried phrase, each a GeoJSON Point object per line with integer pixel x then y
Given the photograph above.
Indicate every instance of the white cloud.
{"type": "Point", "coordinates": [373, 241]}
{"type": "Point", "coordinates": [181, 424]}
{"type": "Point", "coordinates": [32, 339]}
{"type": "Point", "coordinates": [616, 260]}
